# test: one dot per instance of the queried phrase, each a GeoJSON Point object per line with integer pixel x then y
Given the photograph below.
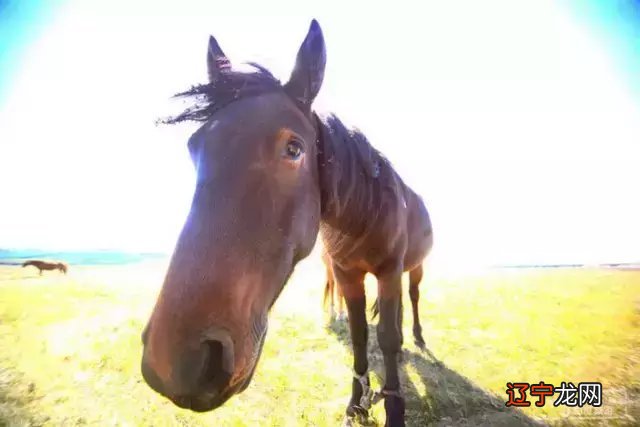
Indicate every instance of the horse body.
{"type": "Point", "coordinates": [386, 222]}
{"type": "Point", "coordinates": [396, 227]}
{"type": "Point", "coordinates": [271, 176]}
{"type": "Point", "coordinates": [419, 240]}
{"type": "Point", "coordinates": [374, 223]}
{"type": "Point", "coordinates": [45, 265]}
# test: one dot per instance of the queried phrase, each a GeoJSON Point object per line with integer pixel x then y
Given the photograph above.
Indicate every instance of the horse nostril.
{"type": "Point", "coordinates": [218, 366]}
{"type": "Point", "coordinates": [213, 363]}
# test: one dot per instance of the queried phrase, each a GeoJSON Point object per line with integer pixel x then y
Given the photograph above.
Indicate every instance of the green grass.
{"type": "Point", "coordinates": [70, 350]}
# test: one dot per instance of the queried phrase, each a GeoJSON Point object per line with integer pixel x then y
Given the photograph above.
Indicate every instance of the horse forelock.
{"type": "Point", "coordinates": [231, 85]}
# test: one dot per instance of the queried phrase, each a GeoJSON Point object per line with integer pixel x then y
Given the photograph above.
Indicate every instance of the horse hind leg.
{"type": "Point", "coordinates": [415, 276]}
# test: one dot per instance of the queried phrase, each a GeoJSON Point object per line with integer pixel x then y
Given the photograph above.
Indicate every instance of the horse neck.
{"type": "Point", "coordinates": [352, 178]}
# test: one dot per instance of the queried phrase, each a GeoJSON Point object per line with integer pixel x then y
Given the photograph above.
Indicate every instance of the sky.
{"type": "Point", "coordinates": [517, 121]}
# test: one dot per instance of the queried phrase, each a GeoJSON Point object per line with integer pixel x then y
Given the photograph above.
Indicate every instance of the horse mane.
{"type": "Point", "coordinates": [353, 176]}
{"type": "Point", "coordinates": [231, 85]}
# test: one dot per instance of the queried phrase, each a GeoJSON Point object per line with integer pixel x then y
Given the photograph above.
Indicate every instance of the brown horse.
{"type": "Point", "coordinates": [45, 265]}
{"type": "Point", "coordinates": [270, 175]}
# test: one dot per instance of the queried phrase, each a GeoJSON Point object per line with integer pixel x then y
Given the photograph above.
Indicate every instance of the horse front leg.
{"type": "Point", "coordinates": [351, 283]}
{"type": "Point", "coordinates": [390, 341]}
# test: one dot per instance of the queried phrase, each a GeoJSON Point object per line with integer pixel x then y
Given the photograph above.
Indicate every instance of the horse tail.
{"type": "Point", "coordinates": [27, 263]}
{"type": "Point", "coordinates": [330, 284]}
{"type": "Point", "coordinates": [328, 290]}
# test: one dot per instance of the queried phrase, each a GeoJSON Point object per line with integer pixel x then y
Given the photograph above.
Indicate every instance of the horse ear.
{"type": "Point", "coordinates": [217, 61]}
{"type": "Point", "coordinates": [308, 73]}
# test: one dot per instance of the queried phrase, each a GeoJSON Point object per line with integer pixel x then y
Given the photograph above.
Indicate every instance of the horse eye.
{"type": "Point", "coordinates": [293, 150]}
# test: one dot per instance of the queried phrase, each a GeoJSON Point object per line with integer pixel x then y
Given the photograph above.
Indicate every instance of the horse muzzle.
{"type": "Point", "coordinates": [199, 378]}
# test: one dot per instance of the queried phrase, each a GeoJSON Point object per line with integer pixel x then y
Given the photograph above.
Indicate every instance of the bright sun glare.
{"type": "Point", "coordinates": [511, 119]}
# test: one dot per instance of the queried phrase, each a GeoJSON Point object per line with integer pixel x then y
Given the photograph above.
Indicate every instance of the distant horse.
{"type": "Point", "coordinates": [45, 265]}
{"type": "Point", "coordinates": [270, 175]}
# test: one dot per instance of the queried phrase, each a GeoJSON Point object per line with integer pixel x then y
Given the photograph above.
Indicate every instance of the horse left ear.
{"type": "Point", "coordinates": [217, 61]}
{"type": "Point", "coordinates": [305, 81]}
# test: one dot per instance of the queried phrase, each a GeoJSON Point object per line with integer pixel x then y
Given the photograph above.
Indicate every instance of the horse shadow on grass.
{"type": "Point", "coordinates": [451, 399]}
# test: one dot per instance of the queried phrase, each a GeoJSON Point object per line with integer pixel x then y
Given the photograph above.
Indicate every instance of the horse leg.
{"type": "Point", "coordinates": [400, 318]}
{"type": "Point", "coordinates": [415, 276]}
{"type": "Point", "coordinates": [352, 285]}
{"type": "Point", "coordinates": [390, 341]}
{"type": "Point", "coordinates": [40, 271]}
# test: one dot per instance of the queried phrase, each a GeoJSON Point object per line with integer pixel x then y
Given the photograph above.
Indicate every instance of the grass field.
{"type": "Point", "coordinates": [70, 350]}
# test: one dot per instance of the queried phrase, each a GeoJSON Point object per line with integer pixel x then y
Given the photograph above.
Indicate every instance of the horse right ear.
{"type": "Point", "coordinates": [217, 61]}
{"type": "Point", "coordinates": [308, 72]}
